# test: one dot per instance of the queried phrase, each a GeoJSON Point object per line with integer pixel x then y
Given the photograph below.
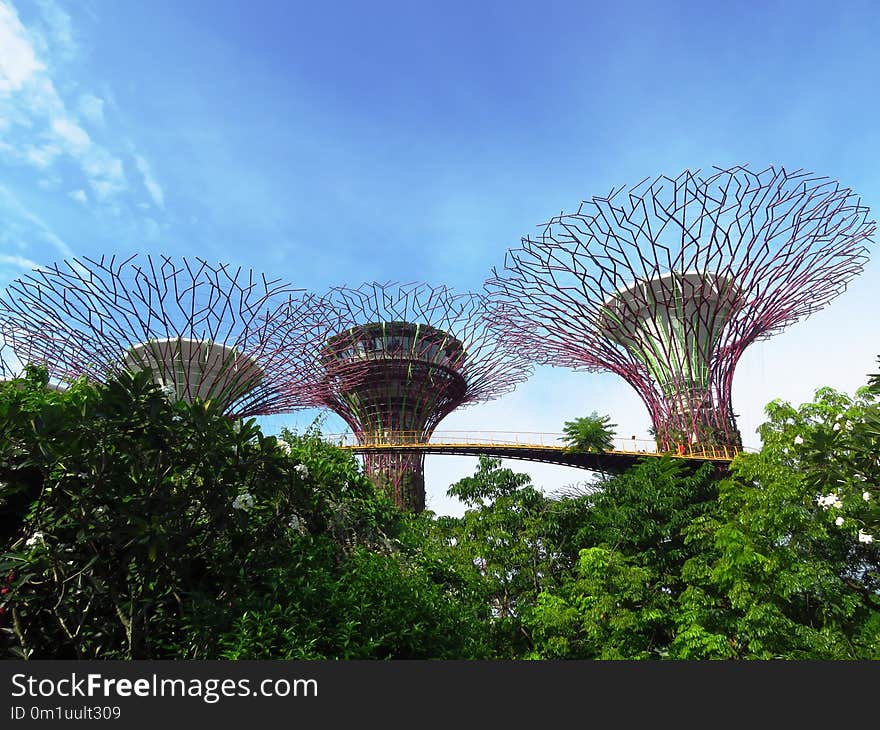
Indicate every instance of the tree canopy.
{"type": "Point", "coordinates": [134, 526]}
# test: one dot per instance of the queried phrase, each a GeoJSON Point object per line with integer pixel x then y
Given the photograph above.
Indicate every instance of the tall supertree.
{"type": "Point", "coordinates": [411, 355]}
{"type": "Point", "coordinates": [6, 359]}
{"type": "Point", "coordinates": [210, 332]}
{"type": "Point", "coordinates": [667, 283]}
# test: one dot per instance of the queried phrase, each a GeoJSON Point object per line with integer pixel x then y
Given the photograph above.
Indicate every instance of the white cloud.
{"type": "Point", "coordinates": [153, 187]}
{"type": "Point", "coordinates": [43, 156]}
{"type": "Point", "coordinates": [78, 195]}
{"type": "Point", "coordinates": [91, 107]}
{"type": "Point", "coordinates": [59, 28]}
{"type": "Point", "coordinates": [104, 189]}
{"type": "Point", "coordinates": [75, 136]}
{"type": "Point", "coordinates": [35, 228]}
{"type": "Point", "coordinates": [105, 172]}
{"type": "Point", "coordinates": [99, 163]}
{"type": "Point", "coordinates": [19, 261]}
{"type": "Point", "coordinates": [39, 129]}
{"type": "Point", "coordinates": [18, 62]}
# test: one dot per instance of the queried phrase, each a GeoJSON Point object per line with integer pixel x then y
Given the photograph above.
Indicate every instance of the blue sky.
{"type": "Point", "coordinates": [339, 143]}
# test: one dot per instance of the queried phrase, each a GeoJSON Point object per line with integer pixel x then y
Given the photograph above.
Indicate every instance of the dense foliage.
{"type": "Point", "coordinates": [137, 527]}
{"type": "Point", "coordinates": [592, 433]}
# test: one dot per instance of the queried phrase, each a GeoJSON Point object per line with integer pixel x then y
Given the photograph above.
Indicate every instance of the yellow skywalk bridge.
{"type": "Point", "coordinates": [547, 448]}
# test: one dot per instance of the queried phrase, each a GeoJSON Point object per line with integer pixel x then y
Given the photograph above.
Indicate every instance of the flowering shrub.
{"type": "Point", "coordinates": [243, 501]}
{"type": "Point", "coordinates": [138, 527]}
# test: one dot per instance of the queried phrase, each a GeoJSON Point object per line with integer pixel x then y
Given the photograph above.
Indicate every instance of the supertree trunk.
{"type": "Point", "coordinates": [410, 354]}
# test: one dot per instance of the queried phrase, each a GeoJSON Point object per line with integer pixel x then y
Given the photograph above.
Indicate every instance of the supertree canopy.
{"type": "Point", "coordinates": [667, 283]}
{"type": "Point", "coordinates": [6, 358]}
{"type": "Point", "coordinates": [205, 331]}
{"type": "Point", "coordinates": [408, 355]}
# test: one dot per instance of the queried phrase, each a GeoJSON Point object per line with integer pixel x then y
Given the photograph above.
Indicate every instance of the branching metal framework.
{"type": "Point", "coordinates": [6, 358]}
{"type": "Point", "coordinates": [411, 354]}
{"type": "Point", "coordinates": [206, 331]}
{"type": "Point", "coordinates": [667, 283]}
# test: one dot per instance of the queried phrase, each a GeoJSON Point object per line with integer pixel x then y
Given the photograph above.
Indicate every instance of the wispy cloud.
{"type": "Point", "coordinates": [36, 113]}
{"type": "Point", "coordinates": [91, 108]}
{"type": "Point", "coordinates": [42, 156]}
{"type": "Point", "coordinates": [22, 227]}
{"type": "Point", "coordinates": [18, 61]}
{"type": "Point", "coordinates": [59, 28]}
{"type": "Point", "coordinates": [153, 187]}
{"type": "Point", "coordinates": [40, 129]}
{"type": "Point", "coordinates": [19, 261]}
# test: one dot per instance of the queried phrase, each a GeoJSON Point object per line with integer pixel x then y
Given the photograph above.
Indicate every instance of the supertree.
{"type": "Point", "coordinates": [412, 354]}
{"type": "Point", "coordinates": [6, 358]}
{"type": "Point", "coordinates": [668, 283]}
{"type": "Point", "coordinates": [210, 332]}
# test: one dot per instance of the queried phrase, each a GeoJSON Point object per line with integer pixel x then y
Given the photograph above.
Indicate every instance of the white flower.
{"type": "Point", "coordinates": [866, 496]}
{"type": "Point", "coordinates": [302, 470]}
{"type": "Point", "coordinates": [284, 446]}
{"type": "Point", "coordinates": [865, 537]}
{"type": "Point", "coordinates": [170, 392]}
{"type": "Point", "coordinates": [798, 440]}
{"type": "Point", "coordinates": [838, 521]}
{"type": "Point", "coordinates": [34, 539]}
{"type": "Point", "coordinates": [836, 427]}
{"type": "Point", "coordinates": [295, 523]}
{"type": "Point", "coordinates": [243, 501]}
{"type": "Point", "coordinates": [829, 500]}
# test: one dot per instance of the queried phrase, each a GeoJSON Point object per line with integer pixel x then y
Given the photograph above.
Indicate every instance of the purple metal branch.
{"type": "Point", "coordinates": [667, 284]}
{"type": "Point", "coordinates": [7, 370]}
{"type": "Point", "coordinates": [206, 331]}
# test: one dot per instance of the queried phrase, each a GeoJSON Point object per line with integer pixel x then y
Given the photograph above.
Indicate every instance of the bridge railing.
{"type": "Point", "coordinates": [521, 439]}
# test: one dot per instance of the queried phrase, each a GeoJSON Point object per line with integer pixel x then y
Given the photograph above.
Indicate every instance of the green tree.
{"type": "Point", "coordinates": [782, 569]}
{"type": "Point", "coordinates": [502, 536]}
{"type": "Point", "coordinates": [776, 560]}
{"type": "Point", "coordinates": [620, 600]}
{"type": "Point", "coordinates": [593, 433]}
{"type": "Point", "coordinates": [156, 529]}
{"type": "Point", "coordinates": [838, 449]}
